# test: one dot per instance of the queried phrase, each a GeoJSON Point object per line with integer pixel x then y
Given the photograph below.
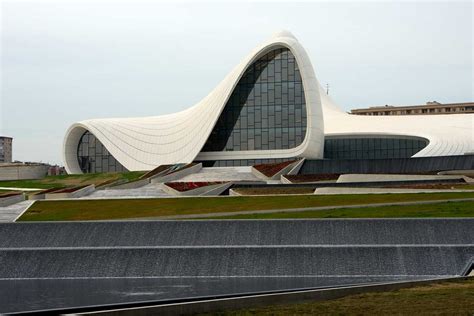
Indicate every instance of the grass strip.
{"type": "Point", "coordinates": [446, 298]}
{"type": "Point", "coordinates": [135, 208]}
{"type": "Point", "coordinates": [63, 181]}
{"type": "Point", "coordinates": [443, 209]}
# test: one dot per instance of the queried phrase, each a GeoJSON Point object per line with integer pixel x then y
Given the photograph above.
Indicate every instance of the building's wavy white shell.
{"type": "Point", "coordinates": [146, 142]}
{"type": "Point", "coordinates": [447, 134]}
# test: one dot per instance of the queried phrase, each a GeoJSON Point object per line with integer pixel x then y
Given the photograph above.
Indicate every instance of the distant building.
{"type": "Point", "coordinates": [5, 149]}
{"type": "Point", "coordinates": [56, 171]}
{"type": "Point", "coordinates": [428, 109]}
{"type": "Point", "coordinates": [23, 171]}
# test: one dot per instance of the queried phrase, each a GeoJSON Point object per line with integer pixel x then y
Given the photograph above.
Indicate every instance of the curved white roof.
{"type": "Point", "coordinates": [146, 142]}
{"type": "Point", "coordinates": [143, 143]}
{"type": "Point", "coordinates": [448, 134]}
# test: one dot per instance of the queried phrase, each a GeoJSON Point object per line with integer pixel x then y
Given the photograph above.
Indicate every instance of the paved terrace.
{"type": "Point", "coordinates": [12, 212]}
{"type": "Point", "coordinates": [147, 191]}
{"type": "Point", "coordinates": [221, 174]}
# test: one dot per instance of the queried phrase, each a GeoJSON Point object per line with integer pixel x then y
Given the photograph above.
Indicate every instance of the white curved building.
{"type": "Point", "coordinates": [270, 107]}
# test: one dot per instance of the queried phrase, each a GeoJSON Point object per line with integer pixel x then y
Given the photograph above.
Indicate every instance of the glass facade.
{"type": "Point", "coordinates": [347, 148]}
{"type": "Point", "coordinates": [372, 148]}
{"type": "Point", "coordinates": [267, 109]}
{"type": "Point", "coordinates": [93, 157]}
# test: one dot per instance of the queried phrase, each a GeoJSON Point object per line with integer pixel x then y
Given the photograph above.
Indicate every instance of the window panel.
{"type": "Point", "coordinates": [371, 148]}
{"type": "Point", "coordinates": [263, 101]}
{"type": "Point", "coordinates": [93, 157]}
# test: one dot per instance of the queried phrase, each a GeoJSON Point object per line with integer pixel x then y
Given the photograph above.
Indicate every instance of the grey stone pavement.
{"type": "Point", "coordinates": [222, 174]}
{"type": "Point", "coordinates": [11, 212]}
{"type": "Point", "coordinates": [147, 191]}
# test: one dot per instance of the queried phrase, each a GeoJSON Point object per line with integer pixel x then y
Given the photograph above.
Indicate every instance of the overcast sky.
{"type": "Point", "coordinates": [65, 61]}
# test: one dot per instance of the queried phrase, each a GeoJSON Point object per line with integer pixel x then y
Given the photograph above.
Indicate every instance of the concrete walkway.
{"type": "Point", "coordinates": [221, 174]}
{"type": "Point", "coordinates": [152, 190]}
{"type": "Point", "coordinates": [12, 212]}
{"type": "Point", "coordinates": [302, 209]}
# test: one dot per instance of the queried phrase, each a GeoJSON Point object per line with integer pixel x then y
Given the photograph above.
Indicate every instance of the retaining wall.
{"type": "Point", "coordinates": [21, 172]}
{"type": "Point", "coordinates": [344, 178]}
{"type": "Point", "coordinates": [6, 201]}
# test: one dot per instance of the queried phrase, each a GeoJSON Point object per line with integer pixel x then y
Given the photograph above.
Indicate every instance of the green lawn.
{"type": "Point", "coordinates": [71, 180]}
{"type": "Point", "coordinates": [135, 208]}
{"type": "Point", "coordinates": [444, 209]}
{"type": "Point", "coordinates": [447, 298]}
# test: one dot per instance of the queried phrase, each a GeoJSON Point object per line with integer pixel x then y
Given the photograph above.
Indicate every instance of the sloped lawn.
{"type": "Point", "coordinates": [136, 208]}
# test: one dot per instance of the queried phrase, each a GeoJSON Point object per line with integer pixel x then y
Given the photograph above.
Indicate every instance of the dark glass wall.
{"type": "Point", "coordinates": [93, 157]}
{"type": "Point", "coordinates": [338, 149]}
{"type": "Point", "coordinates": [398, 165]}
{"type": "Point", "coordinates": [241, 162]}
{"type": "Point", "coordinates": [266, 110]}
{"type": "Point", "coordinates": [372, 148]}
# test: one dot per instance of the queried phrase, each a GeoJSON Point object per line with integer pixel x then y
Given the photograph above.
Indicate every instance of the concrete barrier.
{"type": "Point", "coordinates": [106, 185]}
{"type": "Point", "coordinates": [70, 195]}
{"type": "Point", "coordinates": [9, 200]}
{"type": "Point", "coordinates": [394, 177]}
{"type": "Point", "coordinates": [277, 176]}
{"type": "Point", "coordinates": [129, 185]}
{"type": "Point", "coordinates": [297, 167]}
{"type": "Point", "coordinates": [19, 171]}
{"type": "Point", "coordinates": [209, 190]}
{"type": "Point", "coordinates": [218, 190]}
{"type": "Point", "coordinates": [36, 196]}
{"type": "Point", "coordinates": [232, 192]}
{"type": "Point", "coordinates": [177, 174]}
